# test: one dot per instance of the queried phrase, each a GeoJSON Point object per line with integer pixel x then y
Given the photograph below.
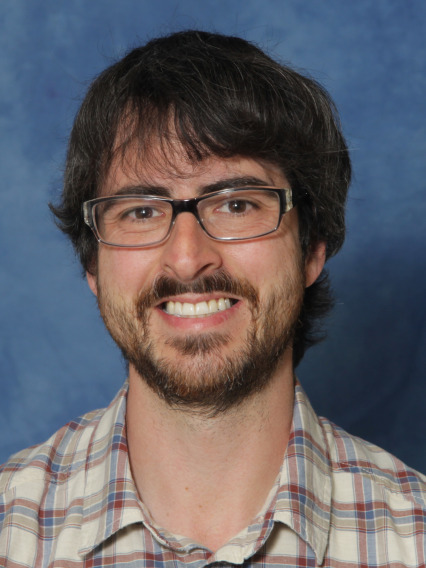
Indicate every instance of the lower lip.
{"type": "Point", "coordinates": [198, 323]}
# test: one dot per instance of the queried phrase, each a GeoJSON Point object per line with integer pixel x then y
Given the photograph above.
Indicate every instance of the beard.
{"type": "Point", "coordinates": [205, 379]}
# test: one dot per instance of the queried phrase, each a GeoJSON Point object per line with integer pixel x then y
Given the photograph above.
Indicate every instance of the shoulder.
{"type": "Point", "coordinates": [79, 444]}
{"type": "Point", "coordinates": [45, 495]}
{"type": "Point", "coordinates": [63, 454]}
{"type": "Point", "coordinates": [377, 471]}
{"type": "Point", "coordinates": [42, 492]}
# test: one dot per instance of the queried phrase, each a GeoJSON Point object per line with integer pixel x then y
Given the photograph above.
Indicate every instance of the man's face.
{"type": "Point", "coordinates": [253, 290]}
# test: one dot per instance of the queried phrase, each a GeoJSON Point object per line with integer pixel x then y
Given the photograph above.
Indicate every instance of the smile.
{"type": "Point", "coordinates": [200, 309]}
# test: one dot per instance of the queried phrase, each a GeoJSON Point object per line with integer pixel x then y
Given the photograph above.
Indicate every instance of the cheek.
{"type": "Point", "coordinates": [125, 270]}
{"type": "Point", "coordinates": [265, 263]}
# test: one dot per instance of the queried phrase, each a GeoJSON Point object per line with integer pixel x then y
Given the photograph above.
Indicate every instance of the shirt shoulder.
{"type": "Point", "coordinates": [55, 496]}
{"type": "Point", "coordinates": [57, 458]}
{"type": "Point", "coordinates": [352, 455]}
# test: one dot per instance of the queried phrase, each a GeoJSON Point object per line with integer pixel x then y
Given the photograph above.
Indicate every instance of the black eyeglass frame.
{"type": "Point", "coordinates": [286, 199]}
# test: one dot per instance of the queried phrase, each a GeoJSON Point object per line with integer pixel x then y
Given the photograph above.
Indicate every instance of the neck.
{"type": "Point", "coordinates": [190, 469]}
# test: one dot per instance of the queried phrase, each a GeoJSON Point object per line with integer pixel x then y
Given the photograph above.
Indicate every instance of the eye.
{"type": "Point", "coordinates": [142, 213]}
{"type": "Point", "coordinates": [236, 206]}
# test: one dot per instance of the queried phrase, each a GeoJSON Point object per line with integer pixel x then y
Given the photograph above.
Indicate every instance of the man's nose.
{"type": "Point", "coordinates": [189, 253]}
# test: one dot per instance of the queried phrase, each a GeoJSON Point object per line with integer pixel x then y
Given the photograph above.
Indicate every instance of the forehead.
{"type": "Point", "coordinates": [173, 170]}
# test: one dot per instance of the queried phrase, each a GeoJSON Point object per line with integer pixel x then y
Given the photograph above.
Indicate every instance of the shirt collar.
{"type": "Point", "coordinates": [303, 499]}
{"type": "Point", "coordinates": [111, 499]}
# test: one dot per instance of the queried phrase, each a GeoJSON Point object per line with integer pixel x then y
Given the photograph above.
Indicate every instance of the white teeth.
{"type": "Point", "coordinates": [188, 309]}
{"type": "Point", "coordinates": [199, 309]}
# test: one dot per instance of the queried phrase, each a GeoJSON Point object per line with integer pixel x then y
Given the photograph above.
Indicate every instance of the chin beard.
{"type": "Point", "coordinates": [204, 379]}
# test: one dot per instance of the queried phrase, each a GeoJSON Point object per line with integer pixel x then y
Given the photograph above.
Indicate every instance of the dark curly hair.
{"type": "Point", "coordinates": [220, 96]}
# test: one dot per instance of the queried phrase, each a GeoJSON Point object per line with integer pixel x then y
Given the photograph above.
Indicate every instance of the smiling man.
{"type": "Point", "coordinates": [204, 190]}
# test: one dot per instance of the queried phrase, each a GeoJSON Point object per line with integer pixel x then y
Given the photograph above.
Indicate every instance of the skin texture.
{"type": "Point", "coordinates": [183, 449]}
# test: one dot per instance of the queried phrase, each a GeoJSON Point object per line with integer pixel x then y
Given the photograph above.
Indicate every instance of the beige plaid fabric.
{"type": "Point", "coordinates": [338, 502]}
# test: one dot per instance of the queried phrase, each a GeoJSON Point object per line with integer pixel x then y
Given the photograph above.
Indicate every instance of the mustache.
{"type": "Point", "coordinates": [221, 281]}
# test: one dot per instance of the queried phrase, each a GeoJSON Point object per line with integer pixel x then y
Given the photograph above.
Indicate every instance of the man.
{"type": "Point", "coordinates": [204, 190]}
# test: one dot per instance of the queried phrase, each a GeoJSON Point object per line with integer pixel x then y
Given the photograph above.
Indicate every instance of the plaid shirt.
{"type": "Point", "coordinates": [338, 501]}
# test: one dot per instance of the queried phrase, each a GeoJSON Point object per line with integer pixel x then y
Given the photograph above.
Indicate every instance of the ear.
{"type": "Point", "coordinates": [93, 282]}
{"type": "Point", "coordinates": [314, 263]}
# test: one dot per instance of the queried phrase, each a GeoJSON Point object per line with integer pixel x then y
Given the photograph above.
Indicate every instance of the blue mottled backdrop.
{"type": "Point", "coordinates": [56, 360]}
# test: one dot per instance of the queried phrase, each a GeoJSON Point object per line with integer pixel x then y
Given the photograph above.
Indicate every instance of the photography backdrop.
{"type": "Point", "coordinates": [56, 360]}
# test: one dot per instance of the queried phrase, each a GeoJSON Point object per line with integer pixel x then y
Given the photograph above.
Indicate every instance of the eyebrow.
{"type": "Point", "coordinates": [161, 191]}
{"type": "Point", "coordinates": [232, 183]}
{"type": "Point", "coordinates": [156, 190]}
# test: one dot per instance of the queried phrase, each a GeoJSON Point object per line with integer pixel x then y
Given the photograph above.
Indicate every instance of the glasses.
{"type": "Point", "coordinates": [227, 215]}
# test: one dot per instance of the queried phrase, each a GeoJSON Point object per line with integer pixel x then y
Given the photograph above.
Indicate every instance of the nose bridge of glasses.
{"type": "Point", "coordinates": [185, 206]}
